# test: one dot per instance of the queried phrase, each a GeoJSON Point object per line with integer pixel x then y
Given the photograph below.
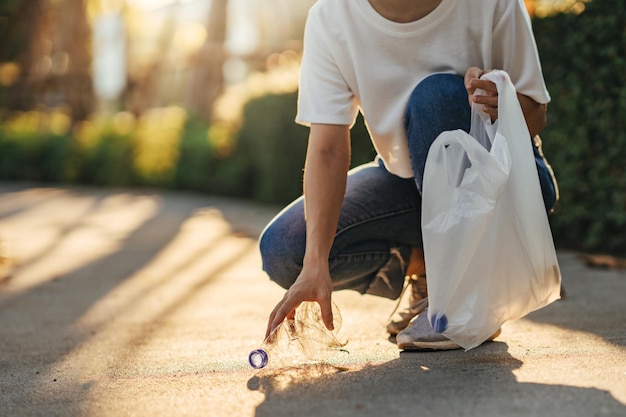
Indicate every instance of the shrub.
{"type": "Point", "coordinates": [164, 148]}
{"type": "Point", "coordinates": [105, 154]}
{"type": "Point", "coordinates": [155, 145]}
{"type": "Point", "coordinates": [207, 161]}
{"type": "Point", "coordinates": [36, 146]}
{"type": "Point", "coordinates": [275, 147]}
{"type": "Point", "coordinates": [584, 62]}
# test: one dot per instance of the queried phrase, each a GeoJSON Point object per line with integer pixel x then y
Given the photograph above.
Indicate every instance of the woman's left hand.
{"type": "Point", "coordinates": [488, 100]}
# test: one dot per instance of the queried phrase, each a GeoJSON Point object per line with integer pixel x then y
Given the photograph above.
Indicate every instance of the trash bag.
{"type": "Point", "coordinates": [488, 247]}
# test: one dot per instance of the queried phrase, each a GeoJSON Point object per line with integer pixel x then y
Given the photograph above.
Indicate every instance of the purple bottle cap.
{"type": "Point", "coordinates": [258, 358]}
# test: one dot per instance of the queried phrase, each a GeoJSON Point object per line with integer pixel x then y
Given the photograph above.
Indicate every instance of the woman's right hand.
{"type": "Point", "coordinates": [313, 284]}
{"type": "Point", "coordinates": [489, 99]}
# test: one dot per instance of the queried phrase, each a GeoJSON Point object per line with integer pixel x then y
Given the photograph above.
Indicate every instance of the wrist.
{"type": "Point", "coordinates": [318, 260]}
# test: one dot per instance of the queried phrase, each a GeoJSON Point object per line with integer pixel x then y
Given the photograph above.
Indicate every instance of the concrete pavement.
{"type": "Point", "coordinates": [146, 303]}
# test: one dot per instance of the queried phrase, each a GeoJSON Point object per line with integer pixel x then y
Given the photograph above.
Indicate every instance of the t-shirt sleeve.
{"type": "Point", "coordinates": [323, 96]}
{"type": "Point", "coordinates": [515, 51]}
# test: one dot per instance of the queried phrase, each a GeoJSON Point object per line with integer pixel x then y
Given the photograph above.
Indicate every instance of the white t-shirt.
{"type": "Point", "coordinates": [355, 59]}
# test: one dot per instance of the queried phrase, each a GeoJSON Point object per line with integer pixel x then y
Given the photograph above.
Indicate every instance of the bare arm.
{"type": "Point", "coordinates": [534, 113]}
{"type": "Point", "coordinates": [326, 167]}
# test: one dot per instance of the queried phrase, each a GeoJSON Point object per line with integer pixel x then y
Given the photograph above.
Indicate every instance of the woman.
{"type": "Point", "coordinates": [411, 67]}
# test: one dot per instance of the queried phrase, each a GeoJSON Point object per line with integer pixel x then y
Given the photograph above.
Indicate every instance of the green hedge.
{"type": "Point", "coordinates": [262, 160]}
{"type": "Point", "coordinates": [32, 149]}
{"type": "Point", "coordinates": [274, 147]}
{"type": "Point", "coordinates": [584, 63]}
{"type": "Point", "coordinates": [164, 148]}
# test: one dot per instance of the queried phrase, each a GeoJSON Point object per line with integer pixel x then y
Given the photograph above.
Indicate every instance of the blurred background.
{"type": "Point", "coordinates": [200, 95]}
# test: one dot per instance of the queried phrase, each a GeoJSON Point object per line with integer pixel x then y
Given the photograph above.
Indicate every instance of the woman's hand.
{"type": "Point", "coordinates": [534, 113]}
{"type": "Point", "coordinates": [313, 284]}
{"type": "Point", "coordinates": [488, 101]}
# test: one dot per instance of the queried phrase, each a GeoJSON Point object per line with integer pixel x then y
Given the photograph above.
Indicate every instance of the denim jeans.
{"type": "Point", "coordinates": [380, 219]}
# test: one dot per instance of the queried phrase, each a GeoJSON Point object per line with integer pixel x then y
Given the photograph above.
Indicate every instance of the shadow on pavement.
{"type": "Point", "coordinates": [53, 308]}
{"type": "Point", "coordinates": [478, 382]}
{"type": "Point", "coordinates": [41, 325]}
{"type": "Point", "coordinates": [561, 342]}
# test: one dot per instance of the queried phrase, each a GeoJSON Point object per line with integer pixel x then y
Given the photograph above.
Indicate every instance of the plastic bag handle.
{"type": "Point", "coordinates": [482, 125]}
{"type": "Point", "coordinates": [481, 121]}
{"type": "Point", "coordinates": [507, 99]}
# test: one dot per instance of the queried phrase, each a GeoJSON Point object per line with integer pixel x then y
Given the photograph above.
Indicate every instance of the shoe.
{"type": "Point", "coordinates": [418, 301]}
{"type": "Point", "coordinates": [419, 335]}
{"type": "Point", "coordinates": [416, 280]}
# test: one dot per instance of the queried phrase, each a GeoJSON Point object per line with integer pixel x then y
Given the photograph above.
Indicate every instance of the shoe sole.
{"type": "Point", "coordinates": [434, 346]}
{"type": "Point", "coordinates": [429, 346]}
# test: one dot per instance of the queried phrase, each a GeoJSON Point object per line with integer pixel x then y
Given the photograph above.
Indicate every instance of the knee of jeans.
{"type": "Point", "coordinates": [279, 260]}
{"type": "Point", "coordinates": [438, 92]}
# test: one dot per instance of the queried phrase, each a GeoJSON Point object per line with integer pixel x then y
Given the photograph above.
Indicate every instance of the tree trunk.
{"type": "Point", "coordinates": [54, 58]}
{"type": "Point", "coordinates": [71, 57]}
{"type": "Point", "coordinates": [206, 74]}
{"type": "Point", "coordinates": [25, 44]}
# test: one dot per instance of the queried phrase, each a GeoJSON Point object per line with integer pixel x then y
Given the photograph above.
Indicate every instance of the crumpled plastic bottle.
{"type": "Point", "coordinates": [305, 339]}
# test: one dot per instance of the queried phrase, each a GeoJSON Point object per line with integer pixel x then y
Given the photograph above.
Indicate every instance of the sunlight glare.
{"type": "Point", "coordinates": [154, 4]}
{"type": "Point", "coordinates": [72, 233]}
{"type": "Point", "coordinates": [189, 38]}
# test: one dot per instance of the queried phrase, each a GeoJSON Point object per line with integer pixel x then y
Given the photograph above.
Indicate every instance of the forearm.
{"type": "Point", "coordinates": [325, 173]}
{"type": "Point", "coordinates": [327, 163]}
{"type": "Point", "coordinates": [534, 113]}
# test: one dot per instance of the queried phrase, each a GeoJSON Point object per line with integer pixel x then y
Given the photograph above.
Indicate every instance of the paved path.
{"type": "Point", "coordinates": [146, 304]}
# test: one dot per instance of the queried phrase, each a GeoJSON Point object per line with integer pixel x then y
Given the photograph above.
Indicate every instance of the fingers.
{"type": "Point", "coordinates": [473, 83]}
{"type": "Point", "coordinates": [270, 323]}
{"type": "Point", "coordinates": [286, 308]}
{"type": "Point", "coordinates": [311, 285]}
{"type": "Point", "coordinates": [486, 85]}
{"type": "Point", "coordinates": [327, 314]}
{"type": "Point", "coordinates": [472, 73]}
{"type": "Point", "coordinates": [487, 98]}
{"type": "Point", "coordinates": [492, 111]}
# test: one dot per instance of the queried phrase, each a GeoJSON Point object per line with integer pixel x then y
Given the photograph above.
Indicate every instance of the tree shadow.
{"type": "Point", "coordinates": [478, 382]}
{"type": "Point", "coordinates": [41, 325]}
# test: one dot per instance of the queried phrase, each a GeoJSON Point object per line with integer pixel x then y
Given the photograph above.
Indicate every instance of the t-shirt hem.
{"type": "Point", "coordinates": [327, 120]}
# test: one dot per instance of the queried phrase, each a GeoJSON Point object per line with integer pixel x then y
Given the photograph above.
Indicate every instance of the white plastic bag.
{"type": "Point", "coordinates": [488, 247]}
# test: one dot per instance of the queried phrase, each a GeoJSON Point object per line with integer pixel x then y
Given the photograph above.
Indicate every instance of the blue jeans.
{"type": "Point", "coordinates": [380, 219]}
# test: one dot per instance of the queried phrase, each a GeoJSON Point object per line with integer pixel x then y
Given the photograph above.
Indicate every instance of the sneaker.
{"type": "Point", "coordinates": [418, 301]}
{"type": "Point", "coordinates": [419, 335]}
